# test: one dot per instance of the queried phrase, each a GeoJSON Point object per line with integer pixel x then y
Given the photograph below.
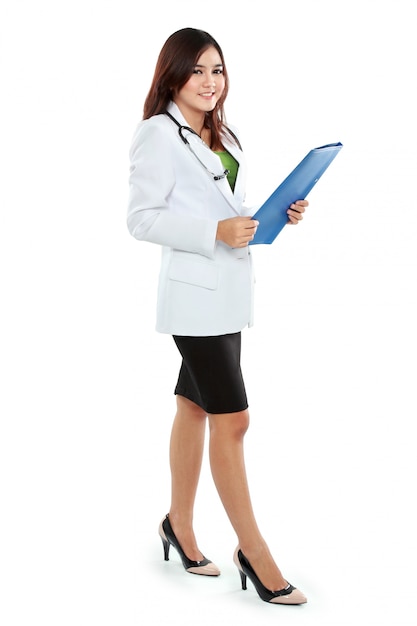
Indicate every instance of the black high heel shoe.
{"type": "Point", "coordinates": [204, 567]}
{"type": "Point", "coordinates": [288, 595]}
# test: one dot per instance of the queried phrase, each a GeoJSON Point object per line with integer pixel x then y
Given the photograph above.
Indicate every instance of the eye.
{"type": "Point", "coordinates": [196, 71]}
{"type": "Point", "coordinates": [218, 70]}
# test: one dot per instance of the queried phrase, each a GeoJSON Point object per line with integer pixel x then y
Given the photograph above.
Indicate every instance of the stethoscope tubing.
{"type": "Point", "coordinates": [181, 128]}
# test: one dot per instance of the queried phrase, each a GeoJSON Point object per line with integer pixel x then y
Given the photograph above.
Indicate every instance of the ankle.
{"type": "Point", "coordinates": [255, 549]}
{"type": "Point", "coordinates": [182, 523]}
{"type": "Point", "coordinates": [263, 563]}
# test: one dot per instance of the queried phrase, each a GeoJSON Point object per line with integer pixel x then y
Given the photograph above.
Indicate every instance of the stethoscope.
{"type": "Point", "coordinates": [181, 130]}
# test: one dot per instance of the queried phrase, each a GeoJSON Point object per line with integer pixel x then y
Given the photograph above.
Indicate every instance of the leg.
{"type": "Point", "coordinates": [186, 453]}
{"type": "Point", "coordinates": [228, 468]}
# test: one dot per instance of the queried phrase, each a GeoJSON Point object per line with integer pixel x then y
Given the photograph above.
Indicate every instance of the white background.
{"type": "Point", "coordinates": [330, 366]}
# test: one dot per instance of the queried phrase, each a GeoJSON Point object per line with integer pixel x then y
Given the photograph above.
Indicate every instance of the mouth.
{"type": "Point", "coordinates": [209, 94]}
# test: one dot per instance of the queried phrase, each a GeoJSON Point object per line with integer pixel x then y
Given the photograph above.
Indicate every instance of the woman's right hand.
{"type": "Point", "coordinates": [236, 232]}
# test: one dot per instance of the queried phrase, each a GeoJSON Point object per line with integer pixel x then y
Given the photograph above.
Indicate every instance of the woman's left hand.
{"type": "Point", "coordinates": [296, 210]}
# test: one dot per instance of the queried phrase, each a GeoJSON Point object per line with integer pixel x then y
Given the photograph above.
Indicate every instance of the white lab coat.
{"type": "Point", "coordinates": [205, 287]}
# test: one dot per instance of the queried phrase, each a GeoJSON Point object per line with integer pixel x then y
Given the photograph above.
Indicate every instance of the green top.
{"type": "Point", "coordinates": [229, 163]}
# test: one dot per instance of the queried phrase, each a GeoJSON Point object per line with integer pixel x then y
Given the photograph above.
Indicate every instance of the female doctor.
{"type": "Point", "coordinates": [187, 186]}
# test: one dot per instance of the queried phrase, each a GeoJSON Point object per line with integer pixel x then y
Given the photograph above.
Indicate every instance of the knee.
{"type": "Point", "coordinates": [230, 425]}
{"type": "Point", "coordinates": [240, 423]}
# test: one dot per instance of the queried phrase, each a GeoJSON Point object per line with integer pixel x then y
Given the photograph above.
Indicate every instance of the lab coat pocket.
{"type": "Point", "coordinates": [194, 272]}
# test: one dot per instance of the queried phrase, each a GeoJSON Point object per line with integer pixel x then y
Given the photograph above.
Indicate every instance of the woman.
{"type": "Point", "coordinates": [186, 194]}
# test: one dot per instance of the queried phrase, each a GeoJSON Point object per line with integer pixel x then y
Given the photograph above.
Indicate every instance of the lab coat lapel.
{"type": "Point", "coordinates": [213, 162]}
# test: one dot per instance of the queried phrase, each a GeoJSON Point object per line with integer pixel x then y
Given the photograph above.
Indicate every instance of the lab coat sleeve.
{"type": "Point", "coordinates": [151, 181]}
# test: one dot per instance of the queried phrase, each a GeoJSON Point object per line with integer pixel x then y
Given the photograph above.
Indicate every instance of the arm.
{"type": "Point", "coordinates": [152, 180]}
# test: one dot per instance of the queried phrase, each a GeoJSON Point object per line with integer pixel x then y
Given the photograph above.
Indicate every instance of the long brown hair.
{"type": "Point", "coordinates": [174, 66]}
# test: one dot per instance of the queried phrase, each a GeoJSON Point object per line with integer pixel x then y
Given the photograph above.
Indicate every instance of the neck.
{"type": "Point", "coordinates": [196, 123]}
{"type": "Point", "coordinates": [195, 120]}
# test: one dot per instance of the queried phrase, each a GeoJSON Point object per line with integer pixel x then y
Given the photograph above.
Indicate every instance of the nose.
{"type": "Point", "coordinates": [209, 80]}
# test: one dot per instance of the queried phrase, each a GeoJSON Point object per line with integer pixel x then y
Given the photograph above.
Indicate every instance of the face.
{"type": "Point", "coordinates": [204, 87]}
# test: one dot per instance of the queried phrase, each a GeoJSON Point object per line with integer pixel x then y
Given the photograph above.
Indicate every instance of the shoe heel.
{"type": "Point", "coordinates": [165, 543]}
{"type": "Point", "coordinates": [243, 579]}
{"type": "Point", "coordinates": [241, 572]}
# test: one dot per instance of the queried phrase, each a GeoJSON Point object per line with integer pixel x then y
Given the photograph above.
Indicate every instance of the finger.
{"type": "Point", "coordinates": [244, 240]}
{"type": "Point", "coordinates": [248, 234]}
{"type": "Point", "coordinates": [300, 203]}
{"type": "Point", "coordinates": [296, 215]}
{"type": "Point", "coordinates": [294, 218]}
{"type": "Point", "coordinates": [299, 208]}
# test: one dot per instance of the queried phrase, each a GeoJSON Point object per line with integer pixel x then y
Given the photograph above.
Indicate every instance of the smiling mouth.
{"type": "Point", "coordinates": [207, 95]}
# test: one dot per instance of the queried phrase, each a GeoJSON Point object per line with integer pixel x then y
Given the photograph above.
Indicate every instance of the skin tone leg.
{"type": "Point", "coordinates": [186, 453]}
{"type": "Point", "coordinates": [228, 469]}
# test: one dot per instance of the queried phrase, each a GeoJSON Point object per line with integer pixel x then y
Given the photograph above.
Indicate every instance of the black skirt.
{"type": "Point", "coordinates": [210, 373]}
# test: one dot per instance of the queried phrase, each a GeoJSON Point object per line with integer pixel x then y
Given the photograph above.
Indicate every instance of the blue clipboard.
{"type": "Point", "coordinates": [272, 215]}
